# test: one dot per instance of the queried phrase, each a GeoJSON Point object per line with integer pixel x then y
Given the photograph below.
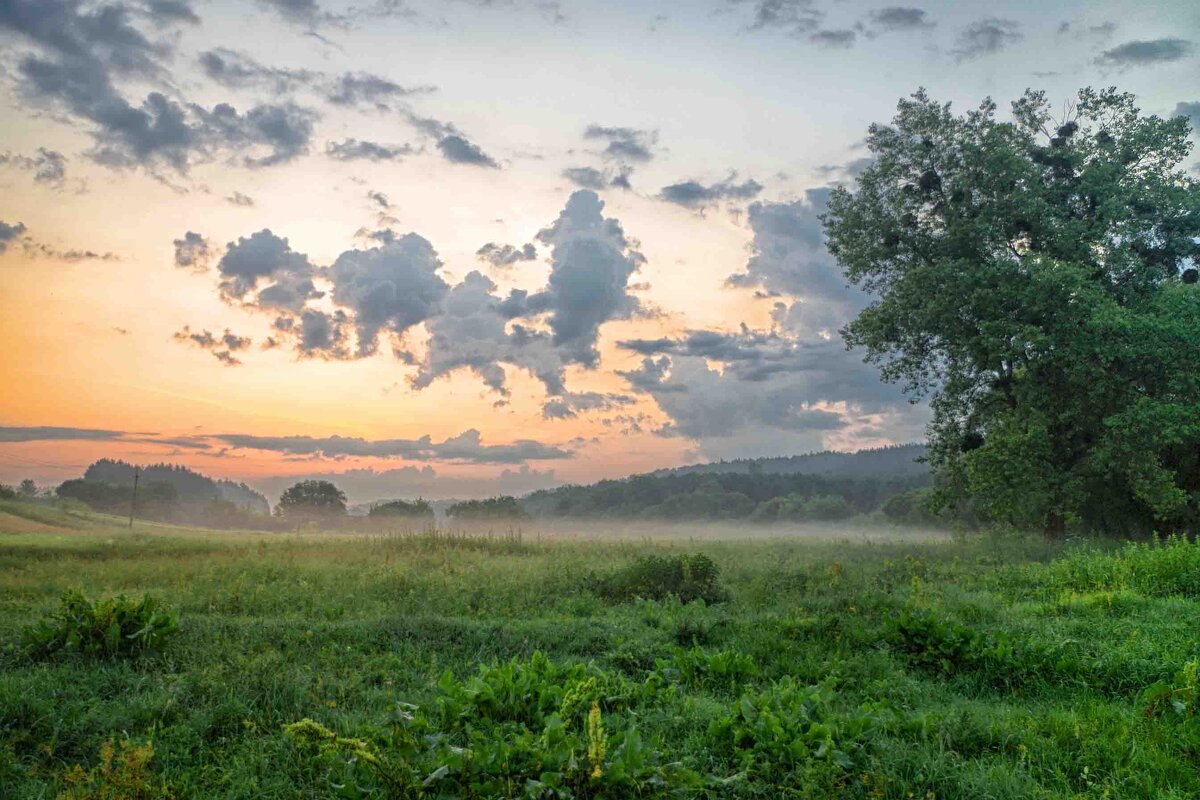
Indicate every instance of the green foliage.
{"type": "Point", "coordinates": [1047, 698]}
{"type": "Point", "coordinates": [532, 729]}
{"type": "Point", "coordinates": [724, 671]}
{"type": "Point", "coordinates": [1162, 568]}
{"type": "Point", "coordinates": [418, 508]}
{"type": "Point", "coordinates": [1181, 696]}
{"type": "Point", "coordinates": [774, 735]}
{"type": "Point", "coordinates": [311, 500]}
{"type": "Point", "coordinates": [155, 499]}
{"type": "Point", "coordinates": [503, 507]}
{"type": "Point", "coordinates": [110, 628]}
{"type": "Point", "coordinates": [123, 773]}
{"type": "Point", "coordinates": [1028, 276]}
{"type": "Point", "coordinates": [685, 577]}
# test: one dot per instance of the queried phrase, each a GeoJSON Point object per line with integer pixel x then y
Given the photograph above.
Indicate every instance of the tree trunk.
{"type": "Point", "coordinates": [1056, 525]}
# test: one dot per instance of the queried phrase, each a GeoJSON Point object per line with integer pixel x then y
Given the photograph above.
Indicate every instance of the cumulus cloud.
{"type": "Point", "coordinates": [573, 404]}
{"type": "Point", "coordinates": [790, 16]}
{"type": "Point", "coordinates": [48, 166]}
{"type": "Point", "coordinates": [222, 347]}
{"type": "Point", "coordinates": [624, 144]}
{"type": "Point", "coordinates": [466, 448]}
{"type": "Point", "coordinates": [391, 287]}
{"type": "Point", "coordinates": [841, 38]}
{"type": "Point", "coordinates": [452, 143]}
{"type": "Point", "coordinates": [472, 333]}
{"type": "Point", "coordinates": [237, 70]}
{"type": "Point", "coordinates": [193, 252]}
{"type": "Point", "coordinates": [987, 36]}
{"type": "Point", "coordinates": [260, 257]}
{"type": "Point", "coordinates": [10, 232]}
{"type": "Point", "coordinates": [78, 53]}
{"type": "Point", "coordinates": [591, 263]}
{"type": "Point", "coordinates": [597, 180]}
{"type": "Point", "coordinates": [1141, 53]}
{"type": "Point", "coordinates": [899, 18]}
{"type": "Point", "coordinates": [695, 195]}
{"type": "Point", "coordinates": [366, 90]}
{"type": "Point", "coordinates": [505, 255]}
{"type": "Point", "coordinates": [362, 150]}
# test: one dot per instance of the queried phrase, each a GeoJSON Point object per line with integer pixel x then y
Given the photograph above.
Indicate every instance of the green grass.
{"type": "Point", "coordinates": [990, 667]}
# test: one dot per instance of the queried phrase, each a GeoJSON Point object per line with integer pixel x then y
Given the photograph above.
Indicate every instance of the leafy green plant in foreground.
{"type": "Point", "coordinates": [532, 729]}
{"type": "Point", "coordinates": [110, 628]}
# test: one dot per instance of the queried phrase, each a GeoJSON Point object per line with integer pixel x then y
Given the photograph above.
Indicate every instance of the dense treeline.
{"type": "Point", "coordinates": [190, 486]}
{"type": "Point", "coordinates": [900, 459]}
{"type": "Point", "coordinates": [503, 507]}
{"type": "Point", "coordinates": [727, 495]}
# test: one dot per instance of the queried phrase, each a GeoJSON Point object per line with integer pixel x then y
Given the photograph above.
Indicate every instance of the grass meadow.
{"type": "Point", "coordinates": [427, 664]}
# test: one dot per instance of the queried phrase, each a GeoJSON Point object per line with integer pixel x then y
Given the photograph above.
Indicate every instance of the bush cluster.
{"type": "Point", "coordinates": [110, 628]}
{"type": "Point", "coordinates": [687, 577]}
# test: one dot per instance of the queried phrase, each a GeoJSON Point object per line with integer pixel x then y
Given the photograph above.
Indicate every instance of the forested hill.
{"type": "Point", "coordinates": [190, 486]}
{"type": "Point", "coordinates": [895, 461]}
{"type": "Point", "coordinates": [734, 494]}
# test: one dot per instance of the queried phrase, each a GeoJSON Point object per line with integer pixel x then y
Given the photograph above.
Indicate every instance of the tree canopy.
{"type": "Point", "coordinates": [309, 499]}
{"type": "Point", "coordinates": [402, 508]}
{"type": "Point", "coordinates": [1037, 278]}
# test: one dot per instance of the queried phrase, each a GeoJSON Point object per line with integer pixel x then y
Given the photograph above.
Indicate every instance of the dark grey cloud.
{"type": "Point", "coordinates": [363, 89]}
{"type": "Point", "coordinates": [597, 180]}
{"type": "Point", "coordinates": [986, 36]}
{"type": "Point", "coordinates": [260, 257]}
{"type": "Point", "coordinates": [452, 143]}
{"type": "Point", "coordinates": [790, 16]}
{"type": "Point", "coordinates": [899, 18]}
{"type": "Point", "coordinates": [307, 12]}
{"type": "Point", "coordinates": [47, 433]}
{"type": "Point", "coordinates": [172, 11]}
{"type": "Point", "coordinates": [379, 199]}
{"type": "Point", "coordinates": [505, 255]}
{"type": "Point", "coordinates": [1141, 53]}
{"type": "Point", "coordinates": [239, 199]}
{"type": "Point", "coordinates": [10, 232]}
{"type": "Point", "coordinates": [193, 252]}
{"type": "Point", "coordinates": [48, 166]}
{"type": "Point", "coordinates": [624, 144]}
{"type": "Point", "coordinates": [237, 70]}
{"type": "Point", "coordinates": [321, 334]}
{"type": "Point", "coordinates": [80, 50]}
{"type": "Point", "coordinates": [591, 263]}
{"type": "Point", "coordinates": [362, 150]}
{"type": "Point", "coordinates": [467, 448]}
{"type": "Point", "coordinates": [471, 332]}
{"type": "Point", "coordinates": [457, 150]}
{"type": "Point", "coordinates": [222, 347]}
{"type": "Point", "coordinates": [1191, 111]}
{"type": "Point", "coordinates": [696, 195]}
{"type": "Point", "coordinates": [572, 404]}
{"type": "Point", "coordinates": [388, 288]}
{"type": "Point", "coordinates": [842, 37]}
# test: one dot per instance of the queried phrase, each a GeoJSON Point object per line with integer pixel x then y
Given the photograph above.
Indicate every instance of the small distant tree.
{"type": "Point", "coordinates": [503, 507]}
{"type": "Point", "coordinates": [312, 499]}
{"type": "Point", "coordinates": [28, 488]}
{"type": "Point", "coordinates": [401, 508]}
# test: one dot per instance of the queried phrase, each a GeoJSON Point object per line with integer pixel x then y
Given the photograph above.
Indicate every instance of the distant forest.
{"type": "Point", "coordinates": [190, 486]}
{"type": "Point", "coordinates": [820, 486]}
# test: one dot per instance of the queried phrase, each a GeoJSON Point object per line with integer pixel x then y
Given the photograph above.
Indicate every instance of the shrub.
{"type": "Point", "coordinates": [1181, 695]}
{"type": "Point", "coordinates": [118, 626]}
{"type": "Point", "coordinates": [123, 774]}
{"type": "Point", "coordinates": [686, 577]}
{"type": "Point", "coordinates": [399, 508]}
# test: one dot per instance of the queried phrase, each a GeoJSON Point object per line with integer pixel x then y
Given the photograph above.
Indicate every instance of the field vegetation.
{"type": "Point", "coordinates": [446, 664]}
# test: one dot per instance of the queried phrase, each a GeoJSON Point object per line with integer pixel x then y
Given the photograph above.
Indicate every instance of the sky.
{"type": "Point", "coordinates": [470, 247]}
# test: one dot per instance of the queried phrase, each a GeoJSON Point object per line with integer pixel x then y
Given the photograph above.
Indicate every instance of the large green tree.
{"type": "Point", "coordinates": [312, 500]}
{"type": "Point", "coordinates": [1036, 277]}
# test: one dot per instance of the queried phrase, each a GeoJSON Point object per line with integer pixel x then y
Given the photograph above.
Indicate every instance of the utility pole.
{"type": "Point", "coordinates": [133, 500]}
